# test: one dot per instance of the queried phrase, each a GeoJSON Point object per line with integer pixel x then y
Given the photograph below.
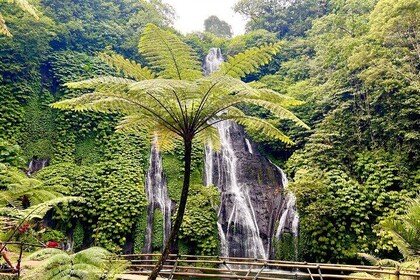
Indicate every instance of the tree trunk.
{"type": "Point", "coordinates": [181, 210]}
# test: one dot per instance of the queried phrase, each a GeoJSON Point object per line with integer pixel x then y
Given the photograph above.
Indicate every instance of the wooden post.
{"type": "Point", "coordinates": [19, 260]}
{"type": "Point", "coordinates": [397, 273]}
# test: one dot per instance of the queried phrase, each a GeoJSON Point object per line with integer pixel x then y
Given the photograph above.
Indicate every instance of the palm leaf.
{"type": "Point", "coordinates": [169, 56]}
{"type": "Point", "coordinates": [249, 61]}
{"type": "Point", "coordinates": [128, 67]}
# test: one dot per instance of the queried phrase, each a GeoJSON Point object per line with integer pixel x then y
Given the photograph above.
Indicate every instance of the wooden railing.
{"type": "Point", "coordinates": [183, 266]}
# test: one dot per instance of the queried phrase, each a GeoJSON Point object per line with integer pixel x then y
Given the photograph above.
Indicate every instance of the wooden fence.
{"type": "Point", "coordinates": [186, 266]}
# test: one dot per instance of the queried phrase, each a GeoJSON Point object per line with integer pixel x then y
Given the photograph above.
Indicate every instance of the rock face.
{"type": "Point", "coordinates": [251, 190]}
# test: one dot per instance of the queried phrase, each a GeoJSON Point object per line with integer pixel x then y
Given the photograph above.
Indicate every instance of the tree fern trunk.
{"type": "Point", "coordinates": [181, 210]}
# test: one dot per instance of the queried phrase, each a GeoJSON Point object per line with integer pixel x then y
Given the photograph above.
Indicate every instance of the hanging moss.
{"type": "Point", "coordinates": [157, 239]}
{"type": "Point", "coordinates": [140, 231]}
{"type": "Point", "coordinates": [286, 248]}
{"type": "Point", "coordinates": [78, 237]}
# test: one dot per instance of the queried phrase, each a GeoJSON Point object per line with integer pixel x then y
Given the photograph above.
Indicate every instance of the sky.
{"type": "Point", "coordinates": [192, 13]}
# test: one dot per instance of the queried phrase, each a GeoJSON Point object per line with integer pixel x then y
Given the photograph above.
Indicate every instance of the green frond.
{"type": "Point", "coordinates": [105, 83]}
{"type": "Point", "coordinates": [249, 61]}
{"type": "Point", "coordinates": [91, 263]}
{"type": "Point", "coordinates": [261, 127]}
{"type": "Point", "coordinates": [172, 58]}
{"type": "Point", "coordinates": [99, 102]}
{"type": "Point", "coordinates": [276, 109]}
{"type": "Point", "coordinates": [278, 98]}
{"type": "Point", "coordinates": [405, 230]}
{"type": "Point", "coordinates": [370, 258]}
{"type": "Point", "coordinates": [43, 254]}
{"type": "Point", "coordinates": [164, 139]}
{"type": "Point", "coordinates": [25, 6]}
{"type": "Point", "coordinates": [3, 27]}
{"type": "Point", "coordinates": [388, 262]}
{"type": "Point", "coordinates": [128, 67]}
{"type": "Point", "coordinates": [37, 211]}
{"type": "Point", "coordinates": [136, 124]}
{"type": "Point", "coordinates": [209, 137]}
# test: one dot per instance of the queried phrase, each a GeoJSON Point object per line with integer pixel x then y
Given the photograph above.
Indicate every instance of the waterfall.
{"type": "Point", "coordinates": [250, 187]}
{"type": "Point", "coordinates": [212, 61]}
{"type": "Point", "coordinates": [36, 165]}
{"type": "Point", "coordinates": [242, 227]}
{"type": "Point", "coordinates": [289, 220]}
{"type": "Point", "coordinates": [157, 196]}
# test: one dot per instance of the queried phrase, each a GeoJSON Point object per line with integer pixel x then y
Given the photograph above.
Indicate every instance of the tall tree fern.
{"type": "Point", "coordinates": [181, 104]}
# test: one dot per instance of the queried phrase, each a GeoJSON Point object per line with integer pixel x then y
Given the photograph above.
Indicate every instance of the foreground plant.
{"type": "Point", "coordinates": [91, 264]}
{"type": "Point", "coordinates": [176, 103]}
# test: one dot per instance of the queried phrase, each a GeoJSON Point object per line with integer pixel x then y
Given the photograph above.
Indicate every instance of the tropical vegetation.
{"type": "Point", "coordinates": [354, 65]}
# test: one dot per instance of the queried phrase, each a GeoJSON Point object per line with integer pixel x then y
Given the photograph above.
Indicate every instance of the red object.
{"type": "Point", "coordinates": [52, 244]}
{"type": "Point", "coordinates": [24, 228]}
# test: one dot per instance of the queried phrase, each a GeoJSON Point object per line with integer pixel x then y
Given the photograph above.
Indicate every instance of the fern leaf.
{"type": "Point", "coordinates": [249, 61]}
{"type": "Point", "coordinates": [128, 67]}
{"type": "Point", "coordinates": [104, 82]}
{"type": "Point", "coordinates": [275, 97]}
{"type": "Point", "coordinates": [3, 27]}
{"type": "Point", "coordinates": [209, 137]}
{"type": "Point", "coordinates": [164, 139]}
{"type": "Point", "coordinates": [261, 127]}
{"type": "Point", "coordinates": [172, 58]}
{"type": "Point", "coordinates": [279, 111]}
{"type": "Point", "coordinates": [370, 258]}
{"type": "Point", "coordinates": [136, 123]}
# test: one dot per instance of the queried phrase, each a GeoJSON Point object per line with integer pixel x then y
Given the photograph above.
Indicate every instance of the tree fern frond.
{"type": "Point", "coordinates": [405, 230]}
{"type": "Point", "coordinates": [36, 211]}
{"type": "Point", "coordinates": [261, 127]}
{"type": "Point", "coordinates": [43, 254]}
{"type": "Point", "coordinates": [278, 110]}
{"type": "Point", "coordinates": [3, 27]}
{"type": "Point", "coordinates": [249, 61]}
{"type": "Point", "coordinates": [99, 102]}
{"type": "Point", "coordinates": [25, 6]}
{"type": "Point", "coordinates": [164, 139]}
{"type": "Point", "coordinates": [136, 123]}
{"type": "Point", "coordinates": [128, 67]}
{"type": "Point", "coordinates": [209, 137]}
{"type": "Point", "coordinates": [91, 263]}
{"type": "Point", "coordinates": [388, 262]}
{"type": "Point", "coordinates": [104, 82]}
{"type": "Point", "coordinates": [278, 98]}
{"type": "Point", "coordinates": [171, 57]}
{"type": "Point", "coordinates": [370, 258]}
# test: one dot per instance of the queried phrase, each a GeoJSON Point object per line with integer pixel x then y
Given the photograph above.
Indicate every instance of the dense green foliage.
{"type": "Point", "coordinates": [355, 64]}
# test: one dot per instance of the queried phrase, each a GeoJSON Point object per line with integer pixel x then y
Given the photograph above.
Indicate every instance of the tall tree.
{"type": "Point", "coordinates": [179, 104]}
{"type": "Point", "coordinates": [218, 27]}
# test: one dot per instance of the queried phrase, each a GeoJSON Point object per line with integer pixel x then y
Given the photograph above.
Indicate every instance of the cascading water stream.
{"type": "Point", "coordinates": [157, 196]}
{"type": "Point", "coordinates": [242, 216]}
{"type": "Point", "coordinates": [36, 165]}
{"type": "Point", "coordinates": [242, 222]}
{"type": "Point", "coordinates": [250, 188]}
{"type": "Point", "coordinates": [289, 218]}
